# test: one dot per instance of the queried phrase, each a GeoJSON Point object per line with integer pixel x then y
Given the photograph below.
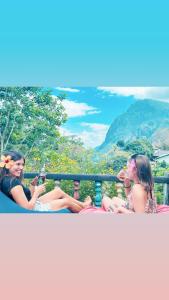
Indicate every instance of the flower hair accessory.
{"type": "Point", "coordinates": [133, 163]}
{"type": "Point", "coordinates": [6, 162]}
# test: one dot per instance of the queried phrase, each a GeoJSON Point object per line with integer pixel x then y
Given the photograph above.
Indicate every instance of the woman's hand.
{"type": "Point", "coordinates": [40, 189]}
{"type": "Point", "coordinates": [34, 182]}
{"type": "Point", "coordinates": [122, 176]}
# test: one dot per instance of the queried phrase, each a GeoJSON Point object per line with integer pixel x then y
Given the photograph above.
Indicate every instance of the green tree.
{"type": "Point", "coordinates": [120, 144]}
{"type": "Point", "coordinates": [159, 170]}
{"type": "Point", "coordinates": [29, 117]}
{"type": "Point", "coordinates": [141, 146]}
{"type": "Point", "coordinates": [118, 163]}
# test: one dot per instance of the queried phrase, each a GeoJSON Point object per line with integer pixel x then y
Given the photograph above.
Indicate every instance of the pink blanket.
{"type": "Point", "coordinates": [161, 208]}
{"type": "Point", "coordinates": [93, 209]}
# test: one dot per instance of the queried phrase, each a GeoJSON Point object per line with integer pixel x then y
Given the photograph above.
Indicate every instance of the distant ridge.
{"type": "Point", "coordinates": [143, 119]}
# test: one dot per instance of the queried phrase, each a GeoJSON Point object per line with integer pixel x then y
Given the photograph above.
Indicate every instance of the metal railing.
{"type": "Point", "coordinates": [98, 179]}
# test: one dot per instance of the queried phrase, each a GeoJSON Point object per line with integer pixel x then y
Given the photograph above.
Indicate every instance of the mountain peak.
{"type": "Point", "coordinates": [142, 119]}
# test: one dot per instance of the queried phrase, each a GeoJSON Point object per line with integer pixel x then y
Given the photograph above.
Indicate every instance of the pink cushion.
{"type": "Point", "coordinates": [161, 208]}
{"type": "Point", "coordinates": [92, 209]}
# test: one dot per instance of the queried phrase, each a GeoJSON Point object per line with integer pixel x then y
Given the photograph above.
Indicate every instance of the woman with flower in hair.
{"type": "Point", "coordinates": [138, 186]}
{"type": "Point", "coordinates": [11, 175]}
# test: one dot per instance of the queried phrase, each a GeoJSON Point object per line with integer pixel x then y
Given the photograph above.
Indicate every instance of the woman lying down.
{"type": "Point", "coordinates": [11, 174]}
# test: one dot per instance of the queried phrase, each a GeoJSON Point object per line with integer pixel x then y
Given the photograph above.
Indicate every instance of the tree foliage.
{"type": "Point", "coordinates": [29, 117]}
{"type": "Point", "coordinates": [141, 146]}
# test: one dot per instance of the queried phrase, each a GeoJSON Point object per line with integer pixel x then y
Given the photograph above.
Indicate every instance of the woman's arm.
{"type": "Point", "coordinates": [122, 176]}
{"type": "Point", "coordinates": [127, 188]}
{"type": "Point", "coordinates": [32, 189]}
{"type": "Point", "coordinates": [18, 195]}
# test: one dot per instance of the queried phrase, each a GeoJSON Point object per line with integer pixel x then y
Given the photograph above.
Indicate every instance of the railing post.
{"type": "Point", "coordinates": [166, 192]}
{"type": "Point", "coordinates": [98, 190]}
{"type": "Point", "coordinates": [76, 189]}
{"type": "Point", "coordinates": [57, 183]}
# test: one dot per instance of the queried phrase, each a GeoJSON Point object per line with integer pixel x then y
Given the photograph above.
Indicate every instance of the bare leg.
{"type": "Point", "coordinates": [112, 202]}
{"type": "Point", "coordinates": [57, 193]}
{"type": "Point", "coordinates": [118, 202]}
{"type": "Point", "coordinates": [64, 203]}
{"type": "Point", "coordinates": [106, 202]}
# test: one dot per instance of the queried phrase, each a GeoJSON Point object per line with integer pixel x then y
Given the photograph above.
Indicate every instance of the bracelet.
{"type": "Point", "coordinates": [127, 187]}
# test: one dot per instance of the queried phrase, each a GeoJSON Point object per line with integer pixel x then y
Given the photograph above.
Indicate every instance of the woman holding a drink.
{"type": "Point", "coordinates": [138, 185]}
{"type": "Point", "coordinates": [11, 174]}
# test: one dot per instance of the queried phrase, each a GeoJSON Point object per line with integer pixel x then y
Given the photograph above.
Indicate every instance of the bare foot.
{"type": "Point", "coordinates": [87, 202]}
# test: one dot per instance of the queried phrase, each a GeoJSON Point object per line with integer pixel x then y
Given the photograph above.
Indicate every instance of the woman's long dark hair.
{"type": "Point", "coordinates": [144, 173]}
{"type": "Point", "coordinates": [14, 156]}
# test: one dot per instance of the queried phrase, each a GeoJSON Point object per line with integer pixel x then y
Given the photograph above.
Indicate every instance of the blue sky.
{"type": "Point", "coordinates": [91, 110]}
{"type": "Point", "coordinates": [86, 43]}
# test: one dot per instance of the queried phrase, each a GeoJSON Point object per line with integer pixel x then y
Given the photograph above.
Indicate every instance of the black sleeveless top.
{"type": "Point", "coordinates": [9, 182]}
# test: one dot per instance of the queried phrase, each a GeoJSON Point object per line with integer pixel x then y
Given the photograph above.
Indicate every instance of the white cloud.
{"type": "Point", "coordinates": [95, 134]}
{"type": "Point", "coordinates": [64, 131]}
{"type": "Point", "coordinates": [95, 126]}
{"type": "Point", "coordinates": [154, 93]}
{"type": "Point", "coordinates": [77, 109]}
{"type": "Point", "coordinates": [67, 89]}
{"type": "Point", "coordinates": [92, 112]}
{"type": "Point", "coordinates": [92, 136]}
